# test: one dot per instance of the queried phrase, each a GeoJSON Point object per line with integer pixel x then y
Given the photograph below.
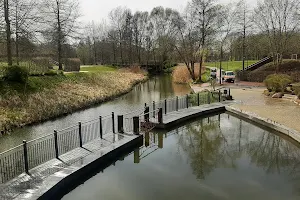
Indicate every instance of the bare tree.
{"type": "Point", "coordinates": [279, 19]}
{"type": "Point", "coordinates": [226, 24]}
{"type": "Point", "coordinates": [187, 43]}
{"type": "Point", "coordinates": [244, 22]}
{"type": "Point", "coordinates": [163, 32]}
{"type": "Point", "coordinates": [60, 17]}
{"type": "Point", "coordinates": [8, 32]}
{"type": "Point", "coordinates": [23, 19]}
{"type": "Point", "coordinates": [206, 12]}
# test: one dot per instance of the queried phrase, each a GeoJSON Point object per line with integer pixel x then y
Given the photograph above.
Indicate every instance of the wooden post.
{"type": "Point", "coordinates": [187, 101]}
{"type": "Point", "coordinates": [165, 106]}
{"type": "Point", "coordinates": [229, 92]}
{"type": "Point", "coordinates": [160, 116]}
{"type": "Point", "coordinates": [56, 145]}
{"type": "Point", "coordinates": [26, 166]}
{"type": "Point", "coordinates": [113, 122]}
{"type": "Point", "coordinates": [100, 127]}
{"type": "Point", "coordinates": [136, 128]}
{"type": "Point", "coordinates": [177, 103]}
{"type": "Point", "coordinates": [208, 97]}
{"type": "Point", "coordinates": [219, 95]}
{"type": "Point", "coordinates": [80, 134]}
{"type": "Point", "coordinates": [120, 124]}
{"type": "Point", "coordinates": [146, 114]}
{"type": "Point", "coordinates": [198, 98]}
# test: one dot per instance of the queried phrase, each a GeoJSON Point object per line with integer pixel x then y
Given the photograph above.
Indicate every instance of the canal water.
{"type": "Point", "coordinates": [157, 88]}
{"type": "Point", "coordinates": [220, 157]}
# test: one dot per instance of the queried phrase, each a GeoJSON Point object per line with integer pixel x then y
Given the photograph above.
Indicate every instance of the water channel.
{"type": "Point", "coordinates": [220, 157]}
{"type": "Point", "coordinates": [157, 88]}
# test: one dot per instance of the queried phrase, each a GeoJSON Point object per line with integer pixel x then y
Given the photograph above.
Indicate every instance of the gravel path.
{"type": "Point", "coordinates": [252, 99]}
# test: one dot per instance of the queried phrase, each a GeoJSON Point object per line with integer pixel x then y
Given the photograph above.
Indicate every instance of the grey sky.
{"type": "Point", "coordinates": [99, 9]}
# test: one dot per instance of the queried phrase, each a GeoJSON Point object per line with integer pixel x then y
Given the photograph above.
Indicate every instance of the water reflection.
{"type": "Point", "coordinates": [220, 157]}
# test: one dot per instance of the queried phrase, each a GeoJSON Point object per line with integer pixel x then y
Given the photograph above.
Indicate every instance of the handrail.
{"type": "Point", "coordinates": [35, 152]}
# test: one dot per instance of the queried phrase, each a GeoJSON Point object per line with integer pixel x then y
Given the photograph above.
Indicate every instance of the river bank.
{"type": "Point", "coordinates": [59, 95]}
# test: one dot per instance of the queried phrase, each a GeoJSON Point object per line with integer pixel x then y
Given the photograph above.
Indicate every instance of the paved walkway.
{"type": "Point", "coordinates": [32, 186]}
{"type": "Point", "coordinates": [250, 98]}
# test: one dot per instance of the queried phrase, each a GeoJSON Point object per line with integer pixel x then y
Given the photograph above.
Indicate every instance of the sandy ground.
{"type": "Point", "coordinates": [252, 99]}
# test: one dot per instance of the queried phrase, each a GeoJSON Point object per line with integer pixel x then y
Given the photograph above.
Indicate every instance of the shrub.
{"type": "Point", "coordinates": [15, 74]}
{"type": "Point", "coordinates": [277, 82]}
{"type": "Point", "coordinates": [51, 73]}
{"type": "Point", "coordinates": [181, 75]}
{"type": "Point", "coordinates": [72, 65]}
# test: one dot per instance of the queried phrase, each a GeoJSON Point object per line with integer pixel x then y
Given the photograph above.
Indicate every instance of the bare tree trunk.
{"type": "Point", "coordinates": [95, 52]}
{"type": "Point", "coordinates": [17, 34]}
{"type": "Point", "coordinates": [59, 45]}
{"type": "Point", "coordinates": [244, 39]}
{"type": "Point", "coordinates": [8, 33]}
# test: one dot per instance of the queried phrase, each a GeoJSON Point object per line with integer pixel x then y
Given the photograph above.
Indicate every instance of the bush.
{"type": "Point", "coordinates": [277, 82]}
{"type": "Point", "coordinates": [51, 73]}
{"type": "Point", "coordinates": [15, 74]}
{"type": "Point", "coordinates": [72, 65]}
{"type": "Point", "coordinates": [181, 75]}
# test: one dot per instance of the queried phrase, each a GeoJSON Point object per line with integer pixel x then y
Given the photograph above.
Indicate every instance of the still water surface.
{"type": "Point", "coordinates": [155, 89]}
{"type": "Point", "coordinates": [220, 157]}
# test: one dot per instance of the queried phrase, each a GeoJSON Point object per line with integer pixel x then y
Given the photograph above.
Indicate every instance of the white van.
{"type": "Point", "coordinates": [229, 76]}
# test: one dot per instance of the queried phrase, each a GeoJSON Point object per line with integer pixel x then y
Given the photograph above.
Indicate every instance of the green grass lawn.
{"type": "Point", "coordinates": [230, 65]}
{"type": "Point", "coordinates": [96, 68]}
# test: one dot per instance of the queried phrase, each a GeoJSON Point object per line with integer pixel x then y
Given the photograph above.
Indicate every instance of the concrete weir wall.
{"type": "Point", "coordinates": [61, 183]}
{"type": "Point", "coordinates": [293, 134]}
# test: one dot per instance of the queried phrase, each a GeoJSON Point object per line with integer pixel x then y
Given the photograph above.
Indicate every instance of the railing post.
{"type": "Point", "coordinates": [100, 127]}
{"type": "Point", "coordinates": [165, 106]}
{"type": "Point", "coordinates": [160, 116]}
{"type": "Point", "coordinates": [219, 95]}
{"type": "Point", "coordinates": [56, 144]}
{"type": "Point", "coordinates": [177, 101]}
{"type": "Point", "coordinates": [147, 114]}
{"type": "Point", "coordinates": [80, 134]}
{"type": "Point", "coordinates": [198, 98]}
{"type": "Point", "coordinates": [208, 97]}
{"type": "Point", "coordinates": [25, 156]}
{"type": "Point", "coordinates": [113, 122]}
{"type": "Point", "coordinates": [187, 101]}
{"type": "Point", "coordinates": [153, 109]}
{"type": "Point", "coordinates": [136, 128]}
{"type": "Point", "coordinates": [120, 124]}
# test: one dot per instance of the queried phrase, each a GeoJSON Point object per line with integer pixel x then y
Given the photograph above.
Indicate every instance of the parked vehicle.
{"type": "Point", "coordinates": [229, 76]}
{"type": "Point", "coordinates": [213, 72]}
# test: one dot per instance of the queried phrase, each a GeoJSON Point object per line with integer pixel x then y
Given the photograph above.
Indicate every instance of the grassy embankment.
{"type": "Point", "coordinates": [230, 65]}
{"type": "Point", "coordinates": [289, 67]}
{"type": "Point", "coordinates": [45, 97]}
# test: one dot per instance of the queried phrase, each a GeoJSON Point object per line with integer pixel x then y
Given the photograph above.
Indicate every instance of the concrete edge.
{"type": "Point", "coordinates": [291, 133]}
{"type": "Point", "coordinates": [189, 117]}
{"type": "Point", "coordinates": [72, 176]}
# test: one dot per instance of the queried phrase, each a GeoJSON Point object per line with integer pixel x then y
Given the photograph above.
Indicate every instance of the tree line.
{"type": "Point", "coordinates": [205, 30]}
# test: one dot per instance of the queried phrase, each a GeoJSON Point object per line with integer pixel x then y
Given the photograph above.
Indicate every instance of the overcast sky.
{"type": "Point", "coordinates": [99, 9]}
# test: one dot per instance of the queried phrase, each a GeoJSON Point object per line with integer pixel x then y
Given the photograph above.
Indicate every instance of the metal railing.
{"type": "Point", "coordinates": [31, 154]}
